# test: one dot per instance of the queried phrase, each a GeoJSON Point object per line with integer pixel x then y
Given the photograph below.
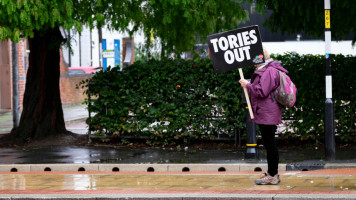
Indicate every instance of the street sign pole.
{"type": "Point", "coordinates": [329, 106]}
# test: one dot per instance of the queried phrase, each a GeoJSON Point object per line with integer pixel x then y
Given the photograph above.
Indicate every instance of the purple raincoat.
{"type": "Point", "coordinates": [263, 82]}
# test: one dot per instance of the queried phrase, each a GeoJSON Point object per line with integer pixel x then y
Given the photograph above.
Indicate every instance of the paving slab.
{"type": "Point", "coordinates": [339, 165]}
{"type": "Point", "coordinates": [64, 167]}
{"type": "Point", "coordinates": [144, 197]}
{"type": "Point", "coordinates": [133, 167]}
{"type": "Point", "coordinates": [179, 197]}
{"type": "Point", "coordinates": [15, 168]}
{"type": "Point", "coordinates": [314, 196]}
{"type": "Point", "coordinates": [115, 167]}
{"type": "Point", "coordinates": [318, 184]}
{"type": "Point", "coordinates": [222, 167]}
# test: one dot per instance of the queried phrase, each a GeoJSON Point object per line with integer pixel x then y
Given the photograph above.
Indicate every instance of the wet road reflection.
{"type": "Point", "coordinates": [68, 154]}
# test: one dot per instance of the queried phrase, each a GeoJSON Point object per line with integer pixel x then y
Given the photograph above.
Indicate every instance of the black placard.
{"type": "Point", "coordinates": [236, 49]}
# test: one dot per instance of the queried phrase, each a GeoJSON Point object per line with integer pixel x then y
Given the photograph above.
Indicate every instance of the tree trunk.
{"type": "Point", "coordinates": [42, 114]}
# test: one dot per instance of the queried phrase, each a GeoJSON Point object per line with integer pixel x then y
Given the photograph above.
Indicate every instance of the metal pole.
{"type": "Point", "coordinates": [100, 33]}
{"type": "Point", "coordinates": [91, 48]}
{"type": "Point", "coordinates": [329, 106]}
{"type": "Point", "coordinates": [89, 112]}
{"type": "Point", "coordinates": [69, 53]}
{"type": "Point", "coordinates": [80, 50]}
{"type": "Point", "coordinates": [15, 89]}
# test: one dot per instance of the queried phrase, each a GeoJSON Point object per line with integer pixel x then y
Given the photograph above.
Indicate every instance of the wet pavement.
{"type": "Point", "coordinates": [320, 184]}
{"type": "Point", "coordinates": [67, 154]}
{"type": "Point", "coordinates": [74, 117]}
{"type": "Point", "coordinates": [105, 154]}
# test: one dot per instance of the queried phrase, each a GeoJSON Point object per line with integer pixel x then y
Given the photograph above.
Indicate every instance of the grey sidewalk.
{"type": "Point", "coordinates": [72, 114]}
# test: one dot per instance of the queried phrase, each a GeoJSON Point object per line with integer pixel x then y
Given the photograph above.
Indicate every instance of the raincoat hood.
{"type": "Point", "coordinates": [269, 63]}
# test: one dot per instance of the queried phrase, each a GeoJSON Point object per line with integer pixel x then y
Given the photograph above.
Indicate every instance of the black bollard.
{"type": "Point", "coordinates": [251, 139]}
{"type": "Point", "coordinates": [329, 131]}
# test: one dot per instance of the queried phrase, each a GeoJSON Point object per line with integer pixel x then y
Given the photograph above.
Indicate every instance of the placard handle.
{"type": "Point", "coordinates": [246, 95]}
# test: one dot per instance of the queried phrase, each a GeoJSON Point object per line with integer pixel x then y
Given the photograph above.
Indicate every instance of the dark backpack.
{"type": "Point", "coordinates": [286, 92]}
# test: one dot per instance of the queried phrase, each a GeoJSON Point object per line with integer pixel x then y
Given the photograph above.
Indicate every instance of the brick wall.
{"type": "Point", "coordinates": [69, 93]}
{"type": "Point", "coordinates": [5, 76]}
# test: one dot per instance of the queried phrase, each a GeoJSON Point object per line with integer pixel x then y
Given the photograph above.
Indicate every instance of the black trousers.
{"type": "Point", "coordinates": [268, 138]}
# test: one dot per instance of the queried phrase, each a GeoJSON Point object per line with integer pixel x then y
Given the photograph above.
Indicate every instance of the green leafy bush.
{"type": "Point", "coordinates": [308, 73]}
{"type": "Point", "coordinates": [167, 101]}
{"type": "Point", "coordinates": [178, 100]}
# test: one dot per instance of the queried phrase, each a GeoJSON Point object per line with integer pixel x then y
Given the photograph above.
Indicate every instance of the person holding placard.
{"type": "Point", "coordinates": [267, 112]}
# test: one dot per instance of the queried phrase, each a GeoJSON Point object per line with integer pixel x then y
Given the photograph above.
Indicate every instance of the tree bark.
{"type": "Point", "coordinates": [42, 114]}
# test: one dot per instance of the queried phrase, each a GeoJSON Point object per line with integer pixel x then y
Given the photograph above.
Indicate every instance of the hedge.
{"type": "Point", "coordinates": [308, 73]}
{"type": "Point", "coordinates": [178, 100]}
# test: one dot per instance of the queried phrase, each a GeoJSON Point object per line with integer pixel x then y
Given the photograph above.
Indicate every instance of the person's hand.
{"type": "Point", "coordinates": [243, 82]}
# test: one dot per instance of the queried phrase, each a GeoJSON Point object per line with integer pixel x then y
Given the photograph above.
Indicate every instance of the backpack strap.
{"type": "Point", "coordinates": [279, 78]}
{"type": "Point", "coordinates": [273, 99]}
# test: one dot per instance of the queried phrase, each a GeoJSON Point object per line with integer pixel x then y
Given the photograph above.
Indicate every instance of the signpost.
{"type": "Point", "coordinates": [236, 49]}
{"type": "Point", "coordinates": [329, 105]}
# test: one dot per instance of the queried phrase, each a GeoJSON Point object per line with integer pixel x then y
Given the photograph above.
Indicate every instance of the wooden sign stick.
{"type": "Point", "coordinates": [246, 95]}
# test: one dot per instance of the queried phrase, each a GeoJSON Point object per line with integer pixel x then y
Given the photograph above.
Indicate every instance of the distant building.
{"type": "Point", "coordinates": [85, 52]}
